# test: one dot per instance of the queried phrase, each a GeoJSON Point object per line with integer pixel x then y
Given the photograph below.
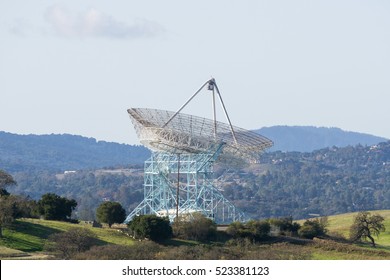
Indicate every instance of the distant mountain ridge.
{"type": "Point", "coordinates": [310, 138]}
{"type": "Point", "coordinates": [60, 152]}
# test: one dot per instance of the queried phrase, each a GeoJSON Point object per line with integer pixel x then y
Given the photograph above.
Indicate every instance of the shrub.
{"type": "Point", "coordinates": [197, 228]}
{"type": "Point", "coordinates": [67, 244]}
{"type": "Point", "coordinates": [236, 229]}
{"type": "Point", "coordinates": [259, 229]}
{"type": "Point", "coordinates": [286, 226]}
{"type": "Point", "coordinates": [313, 228]}
{"type": "Point", "coordinates": [151, 227]}
{"type": "Point", "coordinates": [253, 230]}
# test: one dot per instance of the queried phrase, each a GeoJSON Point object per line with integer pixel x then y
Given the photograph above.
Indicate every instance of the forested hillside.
{"type": "Point", "coordinates": [323, 182]}
{"type": "Point", "coordinates": [28, 153]}
{"type": "Point", "coordinates": [63, 152]}
{"type": "Point", "coordinates": [310, 138]}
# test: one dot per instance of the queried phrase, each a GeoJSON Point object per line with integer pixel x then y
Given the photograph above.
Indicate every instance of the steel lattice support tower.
{"type": "Point", "coordinates": [196, 190]}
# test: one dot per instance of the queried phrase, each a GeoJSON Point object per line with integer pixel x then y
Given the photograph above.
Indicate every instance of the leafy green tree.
{"type": "Point", "coordinates": [313, 228]}
{"type": "Point", "coordinates": [110, 212]}
{"type": "Point", "coordinates": [286, 225]}
{"type": "Point", "coordinates": [71, 242]}
{"type": "Point", "coordinates": [7, 213]}
{"type": "Point", "coordinates": [366, 226]}
{"type": "Point", "coordinates": [55, 207]}
{"type": "Point", "coordinates": [259, 229]}
{"type": "Point", "coordinates": [151, 227]}
{"type": "Point", "coordinates": [13, 207]}
{"type": "Point", "coordinates": [197, 227]}
{"type": "Point", "coordinates": [6, 179]}
{"type": "Point", "coordinates": [236, 229]}
{"type": "Point", "coordinates": [253, 230]}
{"type": "Point", "coordinates": [8, 205]}
{"type": "Point", "coordinates": [3, 192]}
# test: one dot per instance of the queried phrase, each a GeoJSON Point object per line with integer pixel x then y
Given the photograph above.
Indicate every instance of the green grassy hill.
{"type": "Point", "coordinates": [341, 224]}
{"type": "Point", "coordinates": [27, 237]}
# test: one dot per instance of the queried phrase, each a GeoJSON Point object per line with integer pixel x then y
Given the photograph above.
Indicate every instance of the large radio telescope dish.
{"type": "Point", "coordinates": [175, 132]}
{"type": "Point", "coordinates": [188, 146]}
{"type": "Point", "coordinates": [192, 134]}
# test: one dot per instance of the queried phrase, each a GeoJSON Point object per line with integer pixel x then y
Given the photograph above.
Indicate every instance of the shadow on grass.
{"type": "Point", "coordinates": [27, 237]}
{"type": "Point", "coordinates": [21, 244]}
{"type": "Point", "coordinates": [33, 229]}
{"type": "Point", "coordinates": [99, 242]}
{"type": "Point", "coordinates": [30, 237]}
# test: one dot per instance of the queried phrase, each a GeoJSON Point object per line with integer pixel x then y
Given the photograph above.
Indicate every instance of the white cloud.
{"type": "Point", "coordinates": [20, 27]}
{"type": "Point", "coordinates": [94, 23]}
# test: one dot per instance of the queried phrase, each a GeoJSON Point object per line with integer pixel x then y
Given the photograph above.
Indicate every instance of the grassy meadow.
{"type": "Point", "coordinates": [340, 224]}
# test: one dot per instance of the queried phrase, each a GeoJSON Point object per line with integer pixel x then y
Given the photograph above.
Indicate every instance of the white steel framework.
{"type": "Point", "coordinates": [196, 190]}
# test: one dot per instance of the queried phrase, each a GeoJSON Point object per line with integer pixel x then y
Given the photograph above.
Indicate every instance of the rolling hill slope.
{"type": "Point", "coordinates": [26, 239]}
{"type": "Point", "coordinates": [310, 138]}
{"type": "Point", "coordinates": [64, 152]}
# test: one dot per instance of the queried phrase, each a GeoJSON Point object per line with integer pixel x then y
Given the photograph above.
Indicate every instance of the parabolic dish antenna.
{"type": "Point", "coordinates": [175, 132]}
{"type": "Point", "coordinates": [178, 177]}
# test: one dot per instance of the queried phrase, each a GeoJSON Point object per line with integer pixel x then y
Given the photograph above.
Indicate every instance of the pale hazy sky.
{"type": "Point", "coordinates": [76, 66]}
